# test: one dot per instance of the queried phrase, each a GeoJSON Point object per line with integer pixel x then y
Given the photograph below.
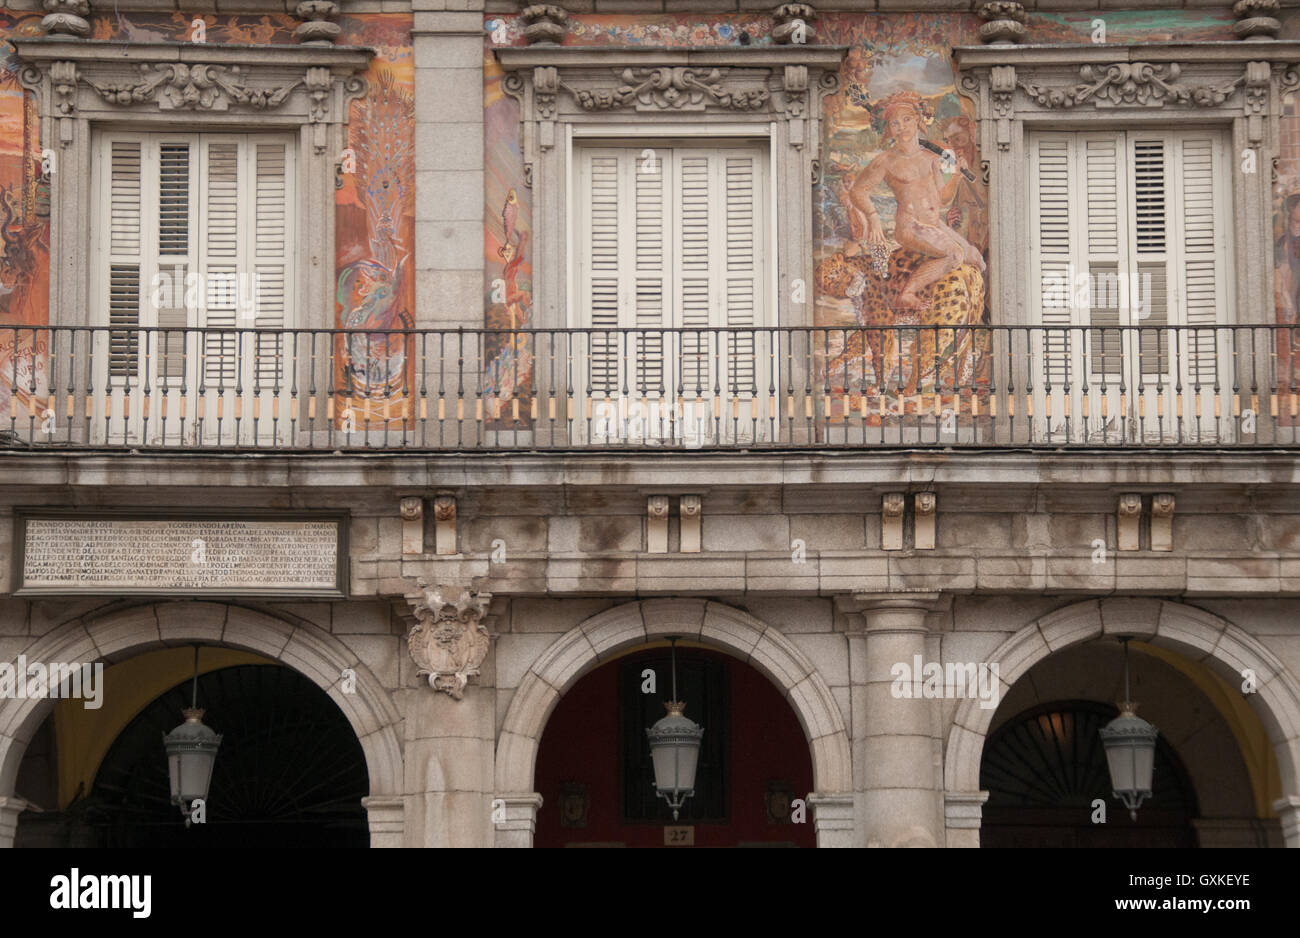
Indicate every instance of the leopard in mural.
{"type": "Point", "coordinates": [956, 299]}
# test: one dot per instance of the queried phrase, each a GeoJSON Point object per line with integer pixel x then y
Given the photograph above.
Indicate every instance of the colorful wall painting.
{"type": "Point", "coordinates": [375, 229]}
{"type": "Point", "coordinates": [900, 222]}
{"type": "Point", "coordinates": [1286, 251]}
{"type": "Point", "coordinates": [25, 233]}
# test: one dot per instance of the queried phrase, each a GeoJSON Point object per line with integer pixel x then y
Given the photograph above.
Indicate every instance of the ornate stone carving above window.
{"type": "Point", "coordinates": [82, 86]}
{"type": "Point", "coordinates": [768, 92]}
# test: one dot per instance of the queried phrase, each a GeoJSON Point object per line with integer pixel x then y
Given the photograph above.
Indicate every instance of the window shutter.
{"type": "Point", "coordinates": [173, 264]}
{"type": "Point", "coordinates": [697, 194]}
{"type": "Point", "coordinates": [742, 269]}
{"type": "Point", "coordinates": [271, 237]}
{"type": "Point", "coordinates": [126, 256]}
{"type": "Point", "coordinates": [1106, 246]}
{"type": "Point", "coordinates": [1151, 252]}
{"type": "Point", "coordinates": [670, 240]}
{"type": "Point", "coordinates": [219, 262]}
{"type": "Point", "coordinates": [1053, 182]}
{"type": "Point", "coordinates": [1202, 264]}
{"type": "Point", "coordinates": [651, 256]}
{"type": "Point", "coordinates": [603, 268]}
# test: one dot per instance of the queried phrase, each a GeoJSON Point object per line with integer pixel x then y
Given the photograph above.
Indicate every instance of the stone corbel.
{"type": "Point", "coordinates": [444, 519]}
{"type": "Point", "coordinates": [450, 638]}
{"type": "Point", "coordinates": [891, 521]}
{"type": "Point", "coordinates": [63, 97]}
{"type": "Point", "coordinates": [1002, 90]}
{"type": "Point", "coordinates": [923, 521]}
{"type": "Point", "coordinates": [1128, 521]}
{"type": "Point", "coordinates": [690, 511]}
{"type": "Point", "coordinates": [412, 508]}
{"type": "Point", "coordinates": [1162, 521]}
{"type": "Point", "coordinates": [1259, 86]}
{"type": "Point", "coordinates": [657, 524]}
{"type": "Point", "coordinates": [546, 85]}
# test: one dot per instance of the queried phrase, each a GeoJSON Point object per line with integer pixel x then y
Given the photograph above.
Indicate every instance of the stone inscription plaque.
{"type": "Point", "coordinates": [181, 555]}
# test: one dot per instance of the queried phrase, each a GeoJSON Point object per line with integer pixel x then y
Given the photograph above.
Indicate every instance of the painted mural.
{"type": "Point", "coordinates": [1286, 249]}
{"type": "Point", "coordinates": [25, 236]}
{"type": "Point", "coordinates": [901, 219]}
{"type": "Point", "coordinates": [375, 220]}
{"type": "Point", "coordinates": [375, 228]}
{"type": "Point", "coordinates": [508, 377]}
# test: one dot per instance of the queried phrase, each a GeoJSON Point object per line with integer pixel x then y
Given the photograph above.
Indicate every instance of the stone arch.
{"type": "Point", "coordinates": [732, 630]}
{"type": "Point", "coordinates": [1194, 633]}
{"type": "Point", "coordinates": [122, 633]}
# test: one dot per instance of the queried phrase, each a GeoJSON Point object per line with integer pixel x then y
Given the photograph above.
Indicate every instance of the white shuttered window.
{"type": "Point", "coordinates": [1129, 229]}
{"type": "Point", "coordinates": [673, 240]}
{"type": "Point", "coordinates": [195, 231]}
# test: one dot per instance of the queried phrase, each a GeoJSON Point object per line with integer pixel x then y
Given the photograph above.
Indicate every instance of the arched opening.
{"type": "Point", "coordinates": [290, 771]}
{"type": "Point", "coordinates": [594, 774]}
{"type": "Point", "coordinates": [1044, 766]}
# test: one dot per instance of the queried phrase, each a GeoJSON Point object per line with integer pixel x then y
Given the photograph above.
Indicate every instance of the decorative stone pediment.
{"type": "Point", "coordinates": [1231, 78]}
{"type": "Point", "coordinates": [559, 85]}
{"type": "Point", "coordinates": [450, 638]}
{"type": "Point", "coordinates": [114, 81]}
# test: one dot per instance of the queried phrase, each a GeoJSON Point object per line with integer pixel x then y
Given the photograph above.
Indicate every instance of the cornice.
{"type": "Point", "coordinates": [1232, 52]}
{"type": "Point", "coordinates": [345, 58]}
{"type": "Point", "coordinates": [515, 58]}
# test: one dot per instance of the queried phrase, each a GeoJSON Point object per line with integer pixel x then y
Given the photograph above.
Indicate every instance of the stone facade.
{"type": "Point", "coordinates": [821, 570]}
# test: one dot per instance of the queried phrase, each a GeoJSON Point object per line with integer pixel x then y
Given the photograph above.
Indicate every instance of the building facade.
{"type": "Point", "coordinates": [400, 381]}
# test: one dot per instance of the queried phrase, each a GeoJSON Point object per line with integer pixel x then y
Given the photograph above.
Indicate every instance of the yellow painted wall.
{"type": "Point", "coordinates": [1252, 738]}
{"type": "Point", "coordinates": [83, 737]}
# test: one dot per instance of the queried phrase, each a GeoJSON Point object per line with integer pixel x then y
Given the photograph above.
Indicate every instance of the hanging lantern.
{"type": "Point", "coordinates": [675, 749]}
{"type": "Point", "coordinates": [191, 752]}
{"type": "Point", "coordinates": [1130, 744]}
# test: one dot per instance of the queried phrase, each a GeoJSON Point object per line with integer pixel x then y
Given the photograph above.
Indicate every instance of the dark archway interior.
{"type": "Point", "coordinates": [1044, 769]}
{"type": "Point", "coordinates": [290, 772]}
{"type": "Point", "coordinates": [597, 781]}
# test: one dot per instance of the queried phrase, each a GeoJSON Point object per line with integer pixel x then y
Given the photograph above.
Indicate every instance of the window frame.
{"type": "Point", "coordinates": [85, 87]}
{"type": "Point", "coordinates": [1078, 87]}
{"type": "Point", "coordinates": [761, 92]}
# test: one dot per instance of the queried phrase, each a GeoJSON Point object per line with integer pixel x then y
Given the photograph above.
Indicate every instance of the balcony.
{"type": "Point", "coordinates": [236, 389]}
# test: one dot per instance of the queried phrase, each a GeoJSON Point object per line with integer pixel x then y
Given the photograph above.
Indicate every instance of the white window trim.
{"type": "Point", "coordinates": [580, 136]}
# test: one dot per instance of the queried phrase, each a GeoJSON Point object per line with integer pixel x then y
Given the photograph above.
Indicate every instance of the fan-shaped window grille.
{"type": "Point", "coordinates": [290, 771]}
{"type": "Point", "coordinates": [1044, 769]}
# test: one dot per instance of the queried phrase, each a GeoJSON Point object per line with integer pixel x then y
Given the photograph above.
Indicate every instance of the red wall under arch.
{"type": "Point", "coordinates": [580, 744]}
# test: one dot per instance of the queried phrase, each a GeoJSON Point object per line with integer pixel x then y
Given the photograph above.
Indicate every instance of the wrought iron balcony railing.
{"type": "Point", "coordinates": [752, 388]}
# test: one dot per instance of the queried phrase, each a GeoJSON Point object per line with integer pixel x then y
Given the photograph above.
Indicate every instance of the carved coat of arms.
{"type": "Point", "coordinates": [449, 641]}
